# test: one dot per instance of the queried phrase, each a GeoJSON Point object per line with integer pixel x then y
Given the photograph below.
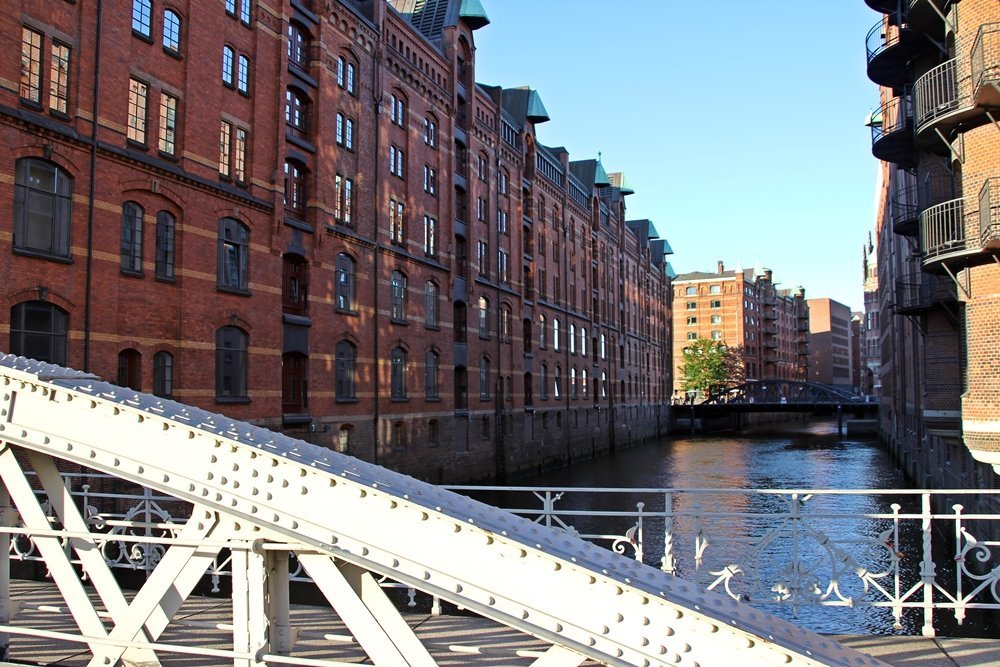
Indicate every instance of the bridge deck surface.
{"type": "Point", "coordinates": [484, 642]}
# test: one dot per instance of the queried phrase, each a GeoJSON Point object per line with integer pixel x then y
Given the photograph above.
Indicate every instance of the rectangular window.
{"type": "Point", "coordinates": [31, 65]}
{"type": "Point", "coordinates": [396, 161]}
{"type": "Point", "coordinates": [503, 266]}
{"type": "Point", "coordinates": [480, 209]}
{"type": "Point", "coordinates": [245, 11]}
{"type": "Point", "coordinates": [692, 305]}
{"type": "Point", "coordinates": [483, 255]}
{"type": "Point", "coordinates": [349, 134]}
{"type": "Point", "coordinates": [430, 180]}
{"type": "Point", "coordinates": [59, 79]}
{"type": "Point", "coordinates": [165, 228]}
{"type": "Point", "coordinates": [225, 137]}
{"type": "Point", "coordinates": [168, 123]}
{"type": "Point", "coordinates": [430, 132]}
{"type": "Point", "coordinates": [338, 198]}
{"type": "Point", "coordinates": [240, 156]}
{"type": "Point", "coordinates": [502, 222]}
{"type": "Point", "coordinates": [692, 321]}
{"type": "Point", "coordinates": [141, 17]}
{"type": "Point", "coordinates": [231, 7]}
{"type": "Point", "coordinates": [716, 303]}
{"type": "Point", "coordinates": [396, 222]}
{"type": "Point", "coordinates": [137, 111]}
{"type": "Point", "coordinates": [430, 236]}
{"type": "Point", "coordinates": [348, 204]}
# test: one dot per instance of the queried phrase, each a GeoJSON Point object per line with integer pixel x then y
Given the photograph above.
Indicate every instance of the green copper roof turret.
{"type": "Point", "coordinates": [601, 179]}
{"type": "Point", "coordinates": [473, 13]}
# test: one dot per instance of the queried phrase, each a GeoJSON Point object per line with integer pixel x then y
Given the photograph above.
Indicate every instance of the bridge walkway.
{"type": "Point", "coordinates": [203, 625]}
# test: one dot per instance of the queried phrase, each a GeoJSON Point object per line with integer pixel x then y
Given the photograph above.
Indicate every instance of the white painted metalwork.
{"type": "Point", "coordinates": [802, 548]}
{"type": "Point", "coordinates": [256, 495]}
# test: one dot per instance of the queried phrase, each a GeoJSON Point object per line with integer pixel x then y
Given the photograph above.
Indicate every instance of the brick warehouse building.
{"type": "Point", "coordinates": [743, 307]}
{"type": "Point", "coordinates": [937, 63]}
{"type": "Point", "coordinates": [310, 216]}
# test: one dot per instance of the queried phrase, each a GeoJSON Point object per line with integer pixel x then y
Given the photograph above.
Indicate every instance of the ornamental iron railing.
{"type": "Point", "coordinates": [795, 548]}
{"type": "Point", "coordinates": [939, 92]}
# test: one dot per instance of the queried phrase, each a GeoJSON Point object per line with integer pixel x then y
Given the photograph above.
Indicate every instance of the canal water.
{"type": "Point", "coordinates": [799, 455]}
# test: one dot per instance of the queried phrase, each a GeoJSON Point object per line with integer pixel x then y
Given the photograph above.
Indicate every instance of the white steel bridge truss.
{"type": "Point", "coordinates": [261, 496]}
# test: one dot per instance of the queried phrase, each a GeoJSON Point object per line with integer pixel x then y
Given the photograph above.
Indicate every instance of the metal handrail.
{"type": "Point", "coordinates": [989, 210]}
{"type": "Point", "coordinates": [942, 229]}
{"type": "Point", "coordinates": [938, 92]}
{"type": "Point", "coordinates": [881, 36]}
{"type": "Point", "coordinates": [897, 116]}
{"type": "Point", "coordinates": [981, 71]}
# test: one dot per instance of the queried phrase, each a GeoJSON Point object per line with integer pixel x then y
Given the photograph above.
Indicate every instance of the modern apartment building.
{"type": "Point", "coordinates": [309, 215]}
{"type": "Point", "coordinates": [830, 346]}
{"type": "Point", "coordinates": [937, 63]}
{"type": "Point", "coordinates": [743, 307]}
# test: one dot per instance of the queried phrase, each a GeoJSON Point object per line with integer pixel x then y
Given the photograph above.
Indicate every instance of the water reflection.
{"type": "Point", "coordinates": [810, 457]}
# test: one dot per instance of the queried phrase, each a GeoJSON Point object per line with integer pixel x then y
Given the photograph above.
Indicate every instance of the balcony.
{"type": "Point", "coordinates": [890, 46]}
{"type": "Point", "coordinates": [770, 343]}
{"type": "Point", "coordinates": [883, 6]}
{"type": "Point", "coordinates": [926, 15]}
{"type": "Point", "coordinates": [803, 349]}
{"type": "Point", "coordinates": [907, 202]}
{"type": "Point", "coordinates": [918, 292]}
{"type": "Point", "coordinates": [989, 214]}
{"type": "Point", "coordinates": [770, 328]}
{"type": "Point", "coordinates": [892, 132]}
{"type": "Point", "coordinates": [986, 66]}
{"type": "Point", "coordinates": [942, 234]}
{"type": "Point", "coordinates": [770, 356]}
{"type": "Point", "coordinates": [941, 98]}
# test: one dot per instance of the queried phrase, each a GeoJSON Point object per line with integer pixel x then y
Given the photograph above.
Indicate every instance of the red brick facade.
{"type": "Point", "coordinates": [293, 211]}
{"type": "Point", "coordinates": [743, 308]}
{"type": "Point", "coordinates": [939, 235]}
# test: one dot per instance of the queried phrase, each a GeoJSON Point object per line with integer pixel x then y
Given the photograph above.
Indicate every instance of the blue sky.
{"type": "Point", "coordinates": [740, 125]}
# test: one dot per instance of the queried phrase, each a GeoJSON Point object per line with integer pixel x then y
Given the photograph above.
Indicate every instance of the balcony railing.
{"type": "Point", "coordinates": [986, 66]}
{"type": "Point", "coordinates": [939, 93]}
{"type": "Point", "coordinates": [989, 214]}
{"type": "Point", "coordinates": [892, 137]}
{"type": "Point", "coordinates": [918, 291]}
{"type": "Point", "coordinates": [942, 231]}
{"type": "Point", "coordinates": [890, 46]}
{"type": "Point", "coordinates": [906, 203]}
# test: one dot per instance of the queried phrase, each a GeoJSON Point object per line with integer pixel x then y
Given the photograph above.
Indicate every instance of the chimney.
{"type": "Point", "coordinates": [767, 275]}
{"type": "Point", "coordinates": [722, 267]}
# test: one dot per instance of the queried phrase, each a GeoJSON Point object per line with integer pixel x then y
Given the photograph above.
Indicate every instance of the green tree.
{"type": "Point", "coordinates": [710, 365]}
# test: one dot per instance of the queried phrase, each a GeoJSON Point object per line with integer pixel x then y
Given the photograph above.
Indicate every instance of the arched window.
{"type": "Point", "coordinates": [298, 45]}
{"type": "Point", "coordinates": [398, 372]}
{"type": "Point", "coordinates": [165, 229]}
{"type": "Point", "coordinates": [583, 341]}
{"type": "Point", "coordinates": [345, 371]}
{"type": "Point", "coordinates": [555, 333]}
{"type": "Point", "coordinates": [541, 331]}
{"type": "Point", "coordinates": [231, 363]}
{"type": "Point", "coordinates": [604, 347]}
{"type": "Point", "coordinates": [345, 283]}
{"type": "Point", "coordinates": [528, 397]}
{"type": "Point", "coordinates": [431, 304]}
{"type": "Point", "coordinates": [461, 388]}
{"type": "Point", "coordinates": [130, 369]}
{"type": "Point", "coordinates": [543, 382]}
{"type": "Point", "coordinates": [484, 317]}
{"type": "Point", "coordinates": [572, 338]}
{"type": "Point", "coordinates": [243, 75]}
{"type": "Point", "coordinates": [484, 378]}
{"type": "Point", "coordinates": [505, 316]}
{"type": "Point", "coordinates": [583, 382]}
{"type": "Point", "coordinates": [38, 330]}
{"type": "Point", "coordinates": [557, 383]}
{"type": "Point", "coordinates": [163, 374]}
{"type": "Point", "coordinates": [573, 391]}
{"type": "Point", "coordinates": [346, 74]}
{"type": "Point", "coordinates": [228, 65]}
{"type": "Point", "coordinates": [691, 291]}
{"type": "Point", "coordinates": [171, 31]}
{"type": "Point", "coordinates": [459, 317]}
{"type": "Point", "coordinates": [131, 241]}
{"type": "Point", "coordinates": [43, 195]}
{"type": "Point", "coordinates": [398, 286]}
{"type": "Point", "coordinates": [526, 334]}
{"type": "Point", "coordinates": [431, 364]}
{"type": "Point", "coordinates": [234, 255]}
{"type": "Point", "coordinates": [142, 15]}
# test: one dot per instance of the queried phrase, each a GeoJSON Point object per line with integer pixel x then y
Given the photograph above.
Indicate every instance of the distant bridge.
{"type": "Point", "coordinates": [782, 395]}
{"type": "Point", "coordinates": [774, 396]}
